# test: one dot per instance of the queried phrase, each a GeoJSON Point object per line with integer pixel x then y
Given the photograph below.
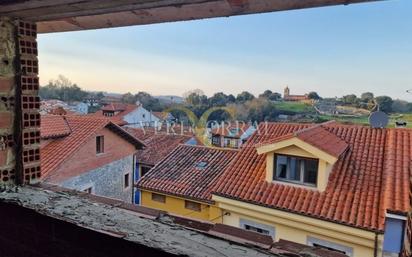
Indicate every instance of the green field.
{"type": "Point", "coordinates": [303, 108]}
{"type": "Point", "coordinates": [364, 120]}
{"type": "Point", "coordinates": [297, 107]}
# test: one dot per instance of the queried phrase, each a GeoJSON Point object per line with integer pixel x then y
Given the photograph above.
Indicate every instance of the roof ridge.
{"type": "Point", "coordinates": [210, 147]}
{"type": "Point", "coordinates": [319, 125]}
{"type": "Point", "coordinates": [68, 124]}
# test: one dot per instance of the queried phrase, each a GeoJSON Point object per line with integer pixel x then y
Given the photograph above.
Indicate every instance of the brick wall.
{"type": "Point", "coordinates": [25, 232]}
{"type": "Point", "coordinates": [19, 102]}
{"type": "Point", "coordinates": [85, 159]}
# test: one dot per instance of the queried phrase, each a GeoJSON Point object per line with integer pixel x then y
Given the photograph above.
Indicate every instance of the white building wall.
{"type": "Point", "coordinates": [141, 117]}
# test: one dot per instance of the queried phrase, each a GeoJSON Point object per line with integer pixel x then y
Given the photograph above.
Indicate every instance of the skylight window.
{"type": "Point", "coordinates": [201, 165]}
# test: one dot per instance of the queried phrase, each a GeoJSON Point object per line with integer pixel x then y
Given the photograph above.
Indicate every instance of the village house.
{"type": "Point", "coordinates": [341, 187]}
{"type": "Point", "coordinates": [59, 107]}
{"type": "Point", "coordinates": [88, 154]}
{"type": "Point", "coordinates": [231, 135]}
{"type": "Point", "coordinates": [182, 182]}
{"type": "Point", "coordinates": [158, 145]}
{"type": "Point", "coordinates": [130, 115]}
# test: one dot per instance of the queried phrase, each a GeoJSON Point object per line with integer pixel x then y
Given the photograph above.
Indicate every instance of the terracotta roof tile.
{"type": "Point", "coordinates": [122, 108]}
{"type": "Point", "coordinates": [368, 180]}
{"type": "Point", "coordinates": [188, 171]}
{"type": "Point", "coordinates": [53, 126]}
{"type": "Point", "coordinates": [158, 145]}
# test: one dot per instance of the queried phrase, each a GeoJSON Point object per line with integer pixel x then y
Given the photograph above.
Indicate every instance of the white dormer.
{"type": "Point", "coordinates": [304, 158]}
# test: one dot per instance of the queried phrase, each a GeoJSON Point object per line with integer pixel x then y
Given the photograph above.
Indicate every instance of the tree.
{"type": "Point", "coordinates": [272, 96]}
{"type": "Point", "coordinates": [62, 89]}
{"type": "Point", "coordinates": [260, 109]}
{"type": "Point", "coordinates": [401, 106]}
{"type": "Point", "coordinates": [350, 99]}
{"type": "Point", "coordinates": [231, 98]}
{"type": "Point", "coordinates": [128, 98]}
{"type": "Point", "coordinates": [195, 97]}
{"type": "Point", "coordinates": [148, 101]}
{"type": "Point", "coordinates": [313, 95]}
{"type": "Point", "coordinates": [384, 103]}
{"type": "Point", "coordinates": [367, 97]}
{"type": "Point", "coordinates": [244, 96]}
{"type": "Point", "coordinates": [266, 94]}
{"type": "Point", "coordinates": [275, 97]}
{"type": "Point", "coordinates": [218, 99]}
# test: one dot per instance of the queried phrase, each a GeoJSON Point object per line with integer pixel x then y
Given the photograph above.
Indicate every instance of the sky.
{"type": "Point", "coordinates": [331, 50]}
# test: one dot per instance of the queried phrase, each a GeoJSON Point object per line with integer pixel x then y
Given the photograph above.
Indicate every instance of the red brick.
{"type": "Point", "coordinates": [6, 84]}
{"type": "Point", "coordinates": [3, 157]}
{"type": "Point", "coordinates": [5, 120]}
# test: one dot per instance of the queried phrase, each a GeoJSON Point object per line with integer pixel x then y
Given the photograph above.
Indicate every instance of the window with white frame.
{"type": "Point", "coordinates": [312, 241]}
{"type": "Point", "coordinates": [296, 169]}
{"type": "Point", "coordinates": [257, 227]}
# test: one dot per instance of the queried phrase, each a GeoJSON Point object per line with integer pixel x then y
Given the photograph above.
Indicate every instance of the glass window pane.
{"type": "Point", "coordinates": [294, 169]}
{"type": "Point", "coordinates": [311, 171]}
{"type": "Point", "coordinates": [281, 166]}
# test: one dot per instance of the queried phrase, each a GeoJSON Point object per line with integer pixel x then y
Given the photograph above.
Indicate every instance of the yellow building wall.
{"type": "Point", "coordinates": [298, 228]}
{"type": "Point", "coordinates": [296, 151]}
{"type": "Point", "coordinates": [176, 205]}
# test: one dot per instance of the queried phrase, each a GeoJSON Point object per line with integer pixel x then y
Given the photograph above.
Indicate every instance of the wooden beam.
{"type": "Point", "coordinates": [70, 15]}
{"type": "Point", "coordinates": [55, 12]}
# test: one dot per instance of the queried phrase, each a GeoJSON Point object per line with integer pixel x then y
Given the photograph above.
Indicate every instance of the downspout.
{"type": "Point", "coordinates": [375, 251]}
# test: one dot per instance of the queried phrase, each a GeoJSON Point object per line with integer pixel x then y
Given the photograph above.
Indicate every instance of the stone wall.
{"type": "Point", "coordinates": [107, 180]}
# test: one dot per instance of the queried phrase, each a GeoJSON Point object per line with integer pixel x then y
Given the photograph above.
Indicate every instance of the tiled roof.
{"type": "Point", "coordinates": [161, 115]}
{"type": "Point", "coordinates": [53, 126]}
{"type": "Point", "coordinates": [188, 171]}
{"type": "Point", "coordinates": [123, 110]}
{"type": "Point", "coordinates": [173, 129]}
{"type": "Point", "coordinates": [370, 178]}
{"type": "Point", "coordinates": [157, 145]}
{"type": "Point", "coordinates": [318, 137]}
{"type": "Point", "coordinates": [114, 107]}
{"type": "Point", "coordinates": [82, 128]}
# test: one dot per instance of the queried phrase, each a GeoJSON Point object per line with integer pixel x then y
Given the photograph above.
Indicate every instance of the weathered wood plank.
{"type": "Point", "coordinates": [68, 15]}
{"type": "Point", "coordinates": [30, 4]}
{"type": "Point", "coordinates": [208, 9]}
{"type": "Point", "coordinates": [94, 7]}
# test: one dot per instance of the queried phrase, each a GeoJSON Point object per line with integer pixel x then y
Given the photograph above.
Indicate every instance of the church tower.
{"type": "Point", "coordinates": [286, 91]}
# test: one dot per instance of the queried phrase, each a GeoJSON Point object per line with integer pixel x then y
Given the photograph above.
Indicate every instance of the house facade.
{"type": "Point", "coordinates": [334, 186]}
{"type": "Point", "coordinates": [230, 135]}
{"type": "Point", "coordinates": [131, 115]}
{"type": "Point", "coordinates": [88, 154]}
{"type": "Point", "coordinates": [182, 182]}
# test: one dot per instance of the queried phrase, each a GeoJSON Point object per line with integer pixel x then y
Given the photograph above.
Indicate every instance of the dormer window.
{"type": "Point", "coordinates": [294, 169]}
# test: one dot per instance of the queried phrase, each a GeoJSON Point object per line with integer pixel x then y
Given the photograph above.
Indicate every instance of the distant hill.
{"type": "Point", "coordinates": [170, 98]}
